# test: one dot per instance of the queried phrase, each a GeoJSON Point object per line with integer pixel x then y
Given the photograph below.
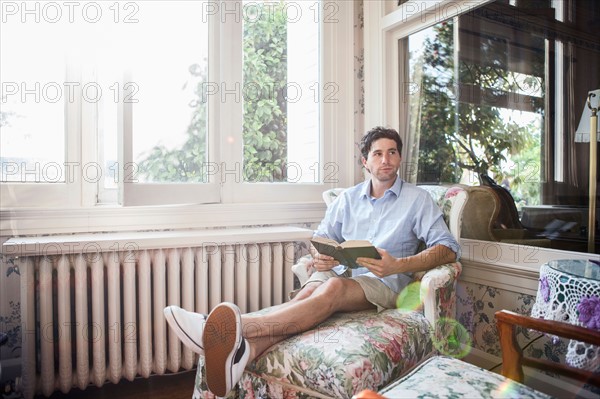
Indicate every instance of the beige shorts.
{"type": "Point", "coordinates": [375, 290]}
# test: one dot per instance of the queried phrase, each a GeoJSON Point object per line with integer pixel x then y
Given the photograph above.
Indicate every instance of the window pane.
{"type": "Point", "coordinates": [32, 109]}
{"type": "Point", "coordinates": [488, 110]}
{"type": "Point", "coordinates": [281, 91]}
{"type": "Point", "coordinates": [169, 113]}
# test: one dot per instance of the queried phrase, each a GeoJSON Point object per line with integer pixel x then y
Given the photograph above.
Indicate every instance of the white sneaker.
{"type": "Point", "coordinates": [226, 351]}
{"type": "Point", "coordinates": [188, 326]}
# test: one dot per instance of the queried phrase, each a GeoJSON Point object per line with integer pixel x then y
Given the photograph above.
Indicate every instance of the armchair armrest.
{"type": "Point", "coordinates": [302, 268]}
{"type": "Point", "coordinates": [438, 291]}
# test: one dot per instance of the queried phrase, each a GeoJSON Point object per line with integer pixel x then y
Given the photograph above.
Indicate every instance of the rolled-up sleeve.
{"type": "Point", "coordinates": [431, 228]}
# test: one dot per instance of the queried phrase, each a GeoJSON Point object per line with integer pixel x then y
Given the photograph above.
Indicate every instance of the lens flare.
{"type": "Point", "coordinates": [451, 338]}
{"type": "Point", "coordinates": [508, 389]}
{"type": "Point", "coordinates": [409, 298]}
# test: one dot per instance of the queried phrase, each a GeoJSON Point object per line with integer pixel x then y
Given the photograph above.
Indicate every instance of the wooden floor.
{"type": "Point", "coordinates": [170, 386]}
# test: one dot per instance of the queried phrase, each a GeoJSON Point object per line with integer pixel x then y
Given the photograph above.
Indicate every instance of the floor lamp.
{"type": "Point", "coordinates": [587, 132]}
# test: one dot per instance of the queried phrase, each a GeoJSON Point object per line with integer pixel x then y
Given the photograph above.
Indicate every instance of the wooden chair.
{"type": "Point", "coordinates": [512, 356]}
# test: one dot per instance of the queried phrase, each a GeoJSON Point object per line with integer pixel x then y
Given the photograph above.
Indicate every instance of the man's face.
{"type": "Point", "coordinates": [383, 160]}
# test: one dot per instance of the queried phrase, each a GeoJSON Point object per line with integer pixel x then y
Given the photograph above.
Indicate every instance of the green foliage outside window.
{"type": "Point", "coordinates": [458, 134]}
{"type": "Point", "coordinates": [265, 105]}
{"type": "Point", "coordinates": [188, 162]}
{"type": "Point", "coordinates": [265, 109]}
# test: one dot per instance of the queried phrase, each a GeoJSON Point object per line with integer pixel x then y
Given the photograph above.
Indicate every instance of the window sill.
{"type": "Point", "coordinates": [30, 222]}
{"type": "Point", "coordinates": [124, 241]}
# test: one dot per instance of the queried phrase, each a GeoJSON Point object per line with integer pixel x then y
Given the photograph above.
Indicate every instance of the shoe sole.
{"type": "Point", "coordinates": [220, 344]}
{"type": "Point", "coordinates": [182, 335]}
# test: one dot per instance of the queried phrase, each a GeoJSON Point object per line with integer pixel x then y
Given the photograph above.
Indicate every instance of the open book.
{"type": "Point", "coordinates": [346, 252]}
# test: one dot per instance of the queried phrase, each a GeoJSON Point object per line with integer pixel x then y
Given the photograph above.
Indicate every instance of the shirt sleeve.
{"type": "Point", "coordinates": [431, 228]}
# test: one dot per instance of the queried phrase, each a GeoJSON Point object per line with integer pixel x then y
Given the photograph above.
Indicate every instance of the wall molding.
{"type": "Point", "coordinates": [509, 267]}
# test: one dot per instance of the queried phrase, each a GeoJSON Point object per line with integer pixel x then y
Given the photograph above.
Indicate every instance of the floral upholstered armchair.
{"type": "Point", "coordinates": [351, 352]}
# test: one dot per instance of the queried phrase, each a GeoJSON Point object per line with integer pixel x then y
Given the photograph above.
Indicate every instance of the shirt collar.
{"type": "Point", "coordinates": [396, 187]}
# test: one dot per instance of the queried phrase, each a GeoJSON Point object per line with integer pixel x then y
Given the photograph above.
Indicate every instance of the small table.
{"type": "Point", "coordinates": [569, 291]}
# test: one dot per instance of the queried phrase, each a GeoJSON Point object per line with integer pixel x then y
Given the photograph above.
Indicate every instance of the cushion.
{"type": "Point", "coordinates": [346, 354]}
{"type": "Point", "coordinates": [447, 377]}
{"type": "Point", "coordinates": [350, 352]}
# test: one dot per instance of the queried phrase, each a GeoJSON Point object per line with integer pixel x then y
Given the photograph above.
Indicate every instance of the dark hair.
{"type": "Point", "coordinates": [378, 133]}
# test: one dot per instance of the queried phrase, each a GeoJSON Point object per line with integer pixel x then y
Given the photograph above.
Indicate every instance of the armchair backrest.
{"type": "Point", "coordinates": [481, 219]}
{"type": "Point", "coordinates": [330, 195]}
{"type": "Point", "coordinates": [508, 215]}
{"type": "Point", "coordinates": [483, 208]}
{"type": "Point", "coordinates": [450, 199]}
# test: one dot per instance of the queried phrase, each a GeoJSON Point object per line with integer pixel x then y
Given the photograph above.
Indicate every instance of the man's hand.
{"type": "Point", "coordinates": [322, 263]}
{"type": "Point", "coordinates": [424, 260]}
{"type": "Point", "coordinates": [379, 267]}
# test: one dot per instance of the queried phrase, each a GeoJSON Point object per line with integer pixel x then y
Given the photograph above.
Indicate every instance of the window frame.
{"type": "Point", "coordinates": [226, 115]}
{"type": "Point", "coordinates": [74, 206]}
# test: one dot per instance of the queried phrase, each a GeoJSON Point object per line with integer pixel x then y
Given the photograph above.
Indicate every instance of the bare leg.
{"type": "Point", "coordinates": [304, 293]}
{"type": "Point", "coordinates": [336, 294]}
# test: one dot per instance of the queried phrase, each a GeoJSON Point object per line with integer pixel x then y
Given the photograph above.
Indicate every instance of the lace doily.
{"type": "Point", "coordinates": [558, 297]}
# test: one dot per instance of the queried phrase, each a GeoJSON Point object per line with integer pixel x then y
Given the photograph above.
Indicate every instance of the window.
{"type": "Point", "coordinates": [499, 91]}
{"type": "Point", "coordinates": [174, 102]}
{"type": "Point", "coordinates": [490, 84]}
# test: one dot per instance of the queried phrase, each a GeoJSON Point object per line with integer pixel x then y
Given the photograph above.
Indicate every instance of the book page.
{"type": "Point", "coordinates": [356, 244]}
{"type": "Point", "coordinates": [326, 241]}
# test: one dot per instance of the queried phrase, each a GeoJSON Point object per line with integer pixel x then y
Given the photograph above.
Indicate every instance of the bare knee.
{"type": "Point", "coordinates": [331, 291]}
{"type": "Point", "coordinates": [306, 291]}
{"type": "Point", "coordinates": [327, 289]}
{"type": "Point", "coordinates": [334, 286]}
{"type": "Point", "coordinates": [342, 294]}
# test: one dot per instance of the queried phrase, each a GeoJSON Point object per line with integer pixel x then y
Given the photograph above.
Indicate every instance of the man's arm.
{"type": "Point", "coordinates": [424, 260]}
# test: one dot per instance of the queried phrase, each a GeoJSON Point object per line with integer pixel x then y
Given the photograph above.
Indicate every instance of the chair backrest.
{"type": "Point", "coordinates": [452, 201]}
{"type": "Point", "coordinates": [482, 209]}
{"type": "Point", "coordinates": [512, 355]}
{"type": "Point", "coordinates": [330, 195]}
{"type": "Point", "coordinates": [508, 215]}
{"type": "Point", "coordinates": [480, 220]}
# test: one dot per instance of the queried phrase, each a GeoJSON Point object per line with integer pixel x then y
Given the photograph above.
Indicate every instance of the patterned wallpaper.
{"type": "Point", "coordinates": [475, 309]}
{"type": "Point", "coordinates": [10, 320]}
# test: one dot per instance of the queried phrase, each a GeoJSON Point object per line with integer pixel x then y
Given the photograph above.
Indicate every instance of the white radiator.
{"type": "Point", "coordinates": [98, 316]}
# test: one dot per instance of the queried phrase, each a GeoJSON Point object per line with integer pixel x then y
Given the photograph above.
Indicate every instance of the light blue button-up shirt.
{"type": "Point", "coordinates": [396, 222]}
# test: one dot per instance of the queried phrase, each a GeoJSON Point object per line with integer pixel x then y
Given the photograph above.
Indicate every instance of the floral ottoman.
{"type": "Point", "coordinates": [456, 379]}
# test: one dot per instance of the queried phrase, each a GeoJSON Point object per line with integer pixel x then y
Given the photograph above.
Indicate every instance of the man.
{"type": "Point", "coordinates": [394, 215]}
